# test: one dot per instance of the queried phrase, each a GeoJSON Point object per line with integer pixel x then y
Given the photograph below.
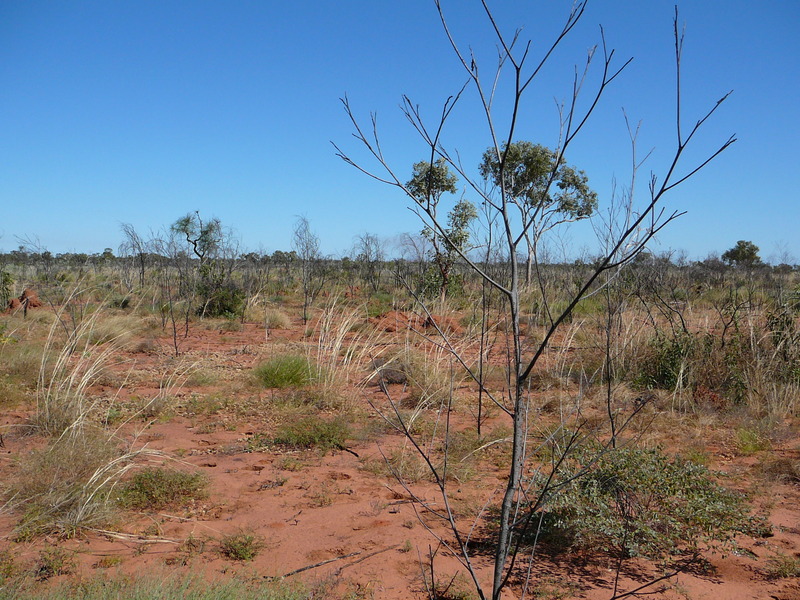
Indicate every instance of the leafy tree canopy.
{"type": "Point", "coordinates": [429, 182]}
{"type": "Point", "coordinates": [743, 254]}
{"type": "Point", "coordinates": [531, 176]}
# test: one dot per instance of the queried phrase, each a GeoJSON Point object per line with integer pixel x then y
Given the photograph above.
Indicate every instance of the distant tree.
{"type": "Point", "coordinates": [312, 270]}
{"type": "Point", "coordinates": [204, 238]}
{"type": "Point", "coordinates": [428, 183]}
{"type": "Point", "coordinates": [545, 190]}
{"type": "Point", "coordinates": [136, 246]}
{"type": "Point", "coordinates": [210, 243]}
{"type": "Point", "coordinates": [743, 254]}
{"type": "Point", "coordinates": [369, 257]}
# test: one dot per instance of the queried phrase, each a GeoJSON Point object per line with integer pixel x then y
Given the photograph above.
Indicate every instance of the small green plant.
{"type": "Point", "coordinates": [309, 432]}
{"type": "Point", "coordinates": [108, 562]}
{"type": "Point", "coordinates": [291, 464]}
{"type": "Point", "coordinates": [240, 546]}
{"type": "Point", "coordinates": [285, 371]}
{"type": "Point", "coordinates": [8, 566]}
{"type": "Point", "coordinates": [749, 441]}
{"type": "Point", "coordinates": [782, 566]}
{"type": "Point", "coordinates": [156, 488]}
{"type": "Point", "coordinates": [54, 561]}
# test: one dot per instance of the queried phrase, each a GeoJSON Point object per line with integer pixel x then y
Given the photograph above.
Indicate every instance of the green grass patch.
{"type": "Point", "coordinates": [285, 371]}
{"type": "Point", "coordinates": [749, 441]}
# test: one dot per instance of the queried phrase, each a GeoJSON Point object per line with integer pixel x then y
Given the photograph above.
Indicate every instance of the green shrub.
{"type": "Point", "coordinates": [634, 502]}
{"type": "Point", "coordinates": [6, 281]}
{"type": "Point", "coordinates": [665, 364]}
{"type": "Point", "coordinates": [55, 561]}
{"type": "Point", "coordinates": [227, 300]}
{"type": "Point", "coordinates": [309, 432]}
{"type": "Point", "coordinates": [240, 546]}
{"type": "Point", "coordinates": [285, 371]}
{"type": "Point", "coordinates": [156, 488]}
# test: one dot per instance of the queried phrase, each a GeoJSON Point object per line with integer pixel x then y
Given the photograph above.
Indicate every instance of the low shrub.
{"type": "Point", "coordinates": [276, 319]}
{"type": "Point", "coordinates": [227, 300]}
{"type": "Point", "coordinates": [634, 502]}
{"type": "Point", "coordinates": [240, 546]}
{"type": "Point", "coordinates": [308, 432]}
{"type": "Point", "coordinates": [55, 561]}
{"type": "Point", "coordinates": [664, 366]}
{"type": "Point", "coordinates": [156, 488]}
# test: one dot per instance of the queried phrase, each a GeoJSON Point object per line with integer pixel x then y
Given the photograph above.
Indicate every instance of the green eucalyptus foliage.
{"type": "Point", "coordinates": [640, 502]}
{"type": "Point", "coordinates": [427, 186]}
{"type": "Point", "coordinates": [743, 254]}
{"type": "Point", "coordinates": [533, 174]}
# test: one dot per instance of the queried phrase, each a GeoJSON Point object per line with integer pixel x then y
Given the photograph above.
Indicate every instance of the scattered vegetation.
{"type": "Point", "coordinates": [718, 347]}
{"type": "Point", "coordinates": [67, 486]}
{"type": "Point", "coordinates": [782, 566]}
{"type": "Point", "coordinates": [164, 586]}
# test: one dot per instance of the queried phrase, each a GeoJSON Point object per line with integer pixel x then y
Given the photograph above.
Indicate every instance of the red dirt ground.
{"type": "Point", "coordinates": [309, 508]}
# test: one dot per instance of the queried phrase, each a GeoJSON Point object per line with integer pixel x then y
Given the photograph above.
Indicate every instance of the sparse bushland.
{"type": "Point", "coordinates": [527, 199]}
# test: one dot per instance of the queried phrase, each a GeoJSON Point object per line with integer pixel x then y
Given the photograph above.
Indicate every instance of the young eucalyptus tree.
{"type": "Point", "coordinates": [545, 190]}
{"type": "Point", "coordinates": [547, 194]}
{"type": "Point", "coordinates": [428, 183]}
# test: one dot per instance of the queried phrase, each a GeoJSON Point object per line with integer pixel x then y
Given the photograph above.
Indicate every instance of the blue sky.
{"type": "Point", "coordinates": [141, 111]}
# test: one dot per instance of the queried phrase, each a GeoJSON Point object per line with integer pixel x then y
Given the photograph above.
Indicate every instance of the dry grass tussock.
{"type": "Point", "coordinates": [69, 484]}
{"type": "Point", "coordinates": [343, 351]}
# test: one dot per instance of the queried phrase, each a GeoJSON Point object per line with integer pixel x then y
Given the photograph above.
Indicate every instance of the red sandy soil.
{"type": "Point", "coordinates": [309, 508]}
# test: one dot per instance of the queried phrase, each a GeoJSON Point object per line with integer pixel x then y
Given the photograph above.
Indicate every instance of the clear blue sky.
{"type": "Point", "coordinates": [141, 111]}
